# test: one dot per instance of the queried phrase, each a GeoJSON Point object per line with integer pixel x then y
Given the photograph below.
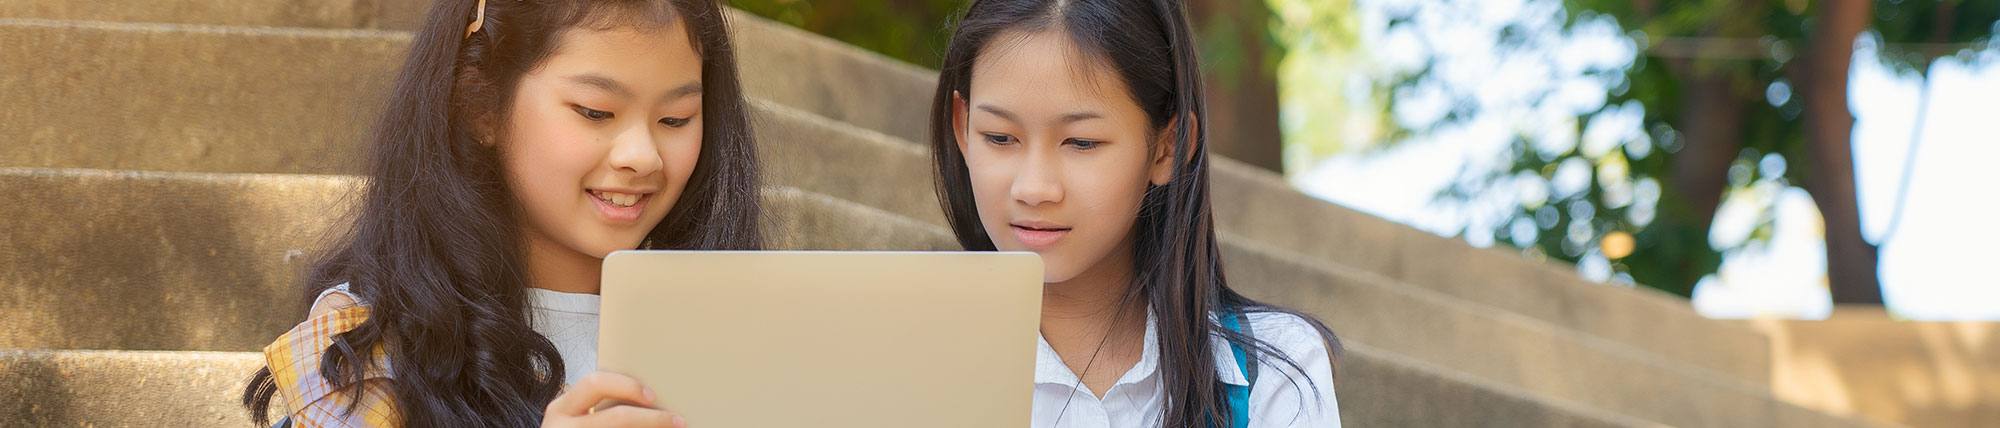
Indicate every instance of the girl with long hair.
{"type": "Point", "coordinates": [1072, 129]}
{"type": "Point", "coordinates": [524, 141]}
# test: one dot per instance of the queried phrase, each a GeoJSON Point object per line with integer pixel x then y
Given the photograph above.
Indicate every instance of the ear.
{"type": "Point", "coordinates": [958, 121]}
{"type": "Point", "coordinates": [483, 124]}
{"type": "Point", "coordinates": [1161, 171]}
{"type": "Point", "coordinates": [486, 140]}
{"type": "Point", "coordinates": [486, 129]}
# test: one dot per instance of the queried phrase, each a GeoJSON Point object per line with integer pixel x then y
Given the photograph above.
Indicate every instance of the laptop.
{"type": "Point", "coordinates": [826, 339]}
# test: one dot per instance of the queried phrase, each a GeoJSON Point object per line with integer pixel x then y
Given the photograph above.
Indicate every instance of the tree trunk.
{"type": "Point", "coordinates": [1714, 101]}
{"type": "Point", "coordinates": [1851, 261]}
{"type": "Point", "coordinates": [1242, 101]}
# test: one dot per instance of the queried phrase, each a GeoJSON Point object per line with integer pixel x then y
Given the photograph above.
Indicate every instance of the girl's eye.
{"type": "Point", "coordinates": [1000, 139]}
{"type": "Point", "coordinates": [675, 122]}
{"type": "Point", "coordinates": [1083, 144]}
{"type": "Point", "coordinates": [593, 115]}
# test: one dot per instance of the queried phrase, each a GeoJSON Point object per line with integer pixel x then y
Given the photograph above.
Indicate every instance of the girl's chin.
{"type": "Point", "coordinates": [600, 251]}
{"type": "Point", "coordinates": [1057, 276]}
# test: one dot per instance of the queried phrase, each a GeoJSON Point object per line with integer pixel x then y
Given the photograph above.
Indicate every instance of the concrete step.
{"type": "Point", "coordinates": [800, 62]}
{"type": "Point", "coordinates": [195, 261]}
{"type": "Point", "coordinates": [350, 14]}
{"type": "Point", "coordinates": [124, 388]}
{"type": "Point", "coordinates": [183, 388]}
{"type": "Point", "coordinates": [1251, 203]}
{"type": "Point", "coordinates": [1383, 389]}
{"type": "Point", "coordinates": [1507, 348]}
{"type": "Point", "coordinates": [81, 91]}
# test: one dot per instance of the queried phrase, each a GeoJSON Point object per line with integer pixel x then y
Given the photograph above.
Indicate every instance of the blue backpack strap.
{"type": "Point", "coordinates": [1239, 395]}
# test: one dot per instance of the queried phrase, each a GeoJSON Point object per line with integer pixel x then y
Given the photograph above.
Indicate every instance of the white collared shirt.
{"type": "Point", "coordinates": [1282, 397]}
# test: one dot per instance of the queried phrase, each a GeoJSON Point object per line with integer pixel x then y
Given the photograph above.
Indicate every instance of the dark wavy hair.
{"type": "Point", "coordinates": [434, 245]}
{"type": "Point", "coordinates": [1178, 263]}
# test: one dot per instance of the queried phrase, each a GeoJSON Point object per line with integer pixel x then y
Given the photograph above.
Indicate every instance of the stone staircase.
{"type": "Point", "coordinates": [171, 165]}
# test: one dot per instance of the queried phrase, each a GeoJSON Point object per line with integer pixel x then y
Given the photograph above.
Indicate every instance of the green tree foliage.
{"type": "Point", "coordinates": [1318, 116]}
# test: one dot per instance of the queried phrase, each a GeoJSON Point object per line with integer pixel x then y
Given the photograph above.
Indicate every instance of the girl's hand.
{"type": "Point", "coordinates": [628, 404]}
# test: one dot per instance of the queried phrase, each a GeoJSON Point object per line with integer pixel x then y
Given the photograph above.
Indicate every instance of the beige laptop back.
{"type": "Point", "coordinates": [827, 339]}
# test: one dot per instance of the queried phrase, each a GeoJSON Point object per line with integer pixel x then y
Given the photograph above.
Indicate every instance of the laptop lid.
{"type": "Point", "coordinates": [827, 339]}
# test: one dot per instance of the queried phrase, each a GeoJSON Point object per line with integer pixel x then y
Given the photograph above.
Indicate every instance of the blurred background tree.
{"type": "Point", "coordinates": [1733, 98]}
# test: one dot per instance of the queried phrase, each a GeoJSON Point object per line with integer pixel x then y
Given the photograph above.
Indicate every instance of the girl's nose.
{"type": "Point", "coordinates": [635, 151]}
{"type": "Point", "coordinates": [1039, 181]}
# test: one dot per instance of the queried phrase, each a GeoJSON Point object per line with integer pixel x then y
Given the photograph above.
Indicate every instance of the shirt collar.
{"type": "Point", "coordinates": [1049, 368]}
{"type": "Point", "coordinates": [575, 303]}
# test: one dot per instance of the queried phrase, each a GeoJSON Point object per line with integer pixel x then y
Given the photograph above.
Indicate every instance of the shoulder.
{"type": "Point", "coordinates": [294, 360]}
{"type": "Point", "coordinates": [333, 299]}
{"type": "Point", "coordinates": [330, 303]}
{"type": "Point", "coordinates": [1298, 392]}
{"type": "Point", "coordinates": [1291, 334]}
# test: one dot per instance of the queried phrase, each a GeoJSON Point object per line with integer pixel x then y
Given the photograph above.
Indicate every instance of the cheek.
{"type": "Point", "coordinates": [1115, 188]}
{"type": "Point", "coordinates": [681, 153]}
{"type": "Point", "coordinates": [1103, 193]}
{"type": "Point", "coordinates": [992, 179]}
{"type": "Point", "coordinates": [547, 159]}
{"type": "Point", "coordinates": [1108, 190]}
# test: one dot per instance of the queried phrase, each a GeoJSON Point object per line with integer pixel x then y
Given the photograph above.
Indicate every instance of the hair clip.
{"type": "Point", "coordinates": [478, 20]}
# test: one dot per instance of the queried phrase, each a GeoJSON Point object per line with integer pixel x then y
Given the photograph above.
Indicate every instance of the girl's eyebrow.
{"type": "Point", "coordinates": [685, 90]}
{"type": "Point", "coordinates": [603, 83]}
{"type": "Point", "coordinates": [1065, 119]}
{"type": "Point", "coordinates": [1075, 117]}
{"type": "Point", "coordinates": [997, 111]}
{"type": "Point", "coordinates": [607, 84]}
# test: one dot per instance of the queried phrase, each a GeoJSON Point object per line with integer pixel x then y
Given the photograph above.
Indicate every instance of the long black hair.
{"type": "Point", "coordinates": [435, 242]}
{"type": "Point", "coordinates": [1177, 261]}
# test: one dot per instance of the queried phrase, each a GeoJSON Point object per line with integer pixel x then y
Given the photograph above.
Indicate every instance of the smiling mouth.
{"type": "Point", "coordinates": [621, 200]}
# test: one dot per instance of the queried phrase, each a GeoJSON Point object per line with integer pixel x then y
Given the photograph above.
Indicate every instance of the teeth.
{"type": "Point", "coordinates": [617, 199]}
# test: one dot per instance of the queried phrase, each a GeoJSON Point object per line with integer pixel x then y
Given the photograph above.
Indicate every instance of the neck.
{"type": "Point", "coordinates": [552, 266]}
{"type": "Point", "coordinates": [1093, 325]}
{"type": "Point", "coordinates": [1091, 301]}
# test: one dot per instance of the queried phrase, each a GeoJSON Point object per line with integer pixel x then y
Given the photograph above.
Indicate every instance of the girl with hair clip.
{"type": "Point", "coordinates": [525, 140]}
{"type": "Point", "coordinates": [1072, 129]}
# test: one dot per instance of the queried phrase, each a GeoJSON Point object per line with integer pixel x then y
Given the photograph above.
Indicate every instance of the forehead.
{"type": "Point", "coordinates": [650, 56]}
{"type": "Point", "coordinates": [1043, 70]}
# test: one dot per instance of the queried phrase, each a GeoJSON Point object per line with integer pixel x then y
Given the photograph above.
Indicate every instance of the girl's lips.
{"type": "Point", "coordinates": [1039, 238]}
{"type": "Point", "coordinates": [618, 214]}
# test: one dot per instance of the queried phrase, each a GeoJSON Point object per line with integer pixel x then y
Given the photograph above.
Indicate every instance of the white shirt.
{"type": "Point", "coordinates": [1134, 401]}
{"type": "Point", "coordinates": [568, 319]}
